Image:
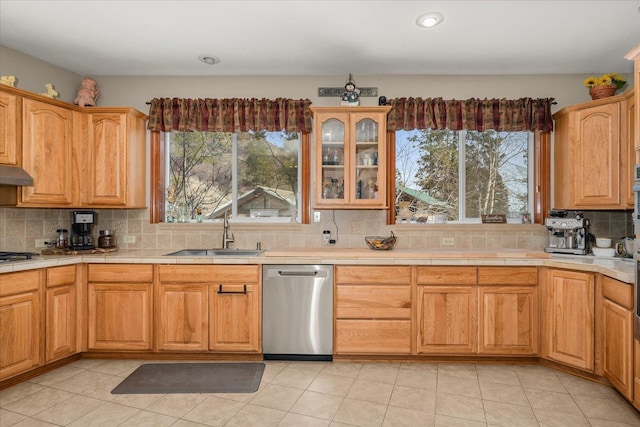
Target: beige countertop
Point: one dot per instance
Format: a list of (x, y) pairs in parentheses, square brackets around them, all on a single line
[(617, 268)]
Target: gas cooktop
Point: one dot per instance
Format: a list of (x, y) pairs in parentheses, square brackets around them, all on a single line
[(15, 256)]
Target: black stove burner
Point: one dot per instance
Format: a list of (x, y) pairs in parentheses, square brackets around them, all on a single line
[(15, 256)]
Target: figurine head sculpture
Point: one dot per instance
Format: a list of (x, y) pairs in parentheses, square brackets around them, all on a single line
[(87, 94)]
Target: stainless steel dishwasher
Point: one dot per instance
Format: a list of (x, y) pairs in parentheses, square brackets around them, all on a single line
[(297, 312)]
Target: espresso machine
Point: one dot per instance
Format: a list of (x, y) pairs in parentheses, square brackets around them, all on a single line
[(567, 235), (81, 225)]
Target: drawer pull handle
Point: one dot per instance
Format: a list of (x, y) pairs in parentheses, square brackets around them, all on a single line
[(244, 291)]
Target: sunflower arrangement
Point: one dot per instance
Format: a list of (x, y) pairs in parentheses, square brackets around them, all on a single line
[(606, 80)]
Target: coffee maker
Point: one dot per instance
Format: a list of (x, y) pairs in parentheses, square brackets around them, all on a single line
[(81, 224), (567, 235)]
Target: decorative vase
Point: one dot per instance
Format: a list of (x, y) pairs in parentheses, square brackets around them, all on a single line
[(603, 91)]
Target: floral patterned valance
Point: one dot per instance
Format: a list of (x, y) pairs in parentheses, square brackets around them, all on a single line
[(524, 114), (229, 115)]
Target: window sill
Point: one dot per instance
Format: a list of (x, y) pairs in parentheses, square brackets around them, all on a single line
[(469, 227)]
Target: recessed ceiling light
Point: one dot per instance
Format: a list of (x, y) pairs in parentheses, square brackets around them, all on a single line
[(430, 19), (209, 59)]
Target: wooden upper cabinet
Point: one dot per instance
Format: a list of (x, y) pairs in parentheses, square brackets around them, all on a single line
[(78, 157), (114, 158), (47, 139), (350, 157), (591, 154), (9, 129), (630, 123), (634, 55)]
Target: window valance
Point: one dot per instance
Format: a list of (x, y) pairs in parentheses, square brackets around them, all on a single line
[(229, 115), (524, 114)]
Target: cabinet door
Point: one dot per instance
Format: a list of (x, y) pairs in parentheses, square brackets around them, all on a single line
[(115, 149), (106, 160), (368, 157), (19, 333), (183, 317), (596, 152), (618, 340), (447, 319), (629, 155), (119, 316), (9, 129), (333, 183), (351, 157), (235, 317), (508, 320), (569, 307), (61, 322), (46, 154)]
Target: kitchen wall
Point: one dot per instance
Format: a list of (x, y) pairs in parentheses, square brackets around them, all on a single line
[(20, 227)]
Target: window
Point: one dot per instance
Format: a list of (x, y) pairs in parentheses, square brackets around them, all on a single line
[(457, 176), (253, 175)]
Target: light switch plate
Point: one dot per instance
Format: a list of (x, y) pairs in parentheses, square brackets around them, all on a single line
[(316, 217)]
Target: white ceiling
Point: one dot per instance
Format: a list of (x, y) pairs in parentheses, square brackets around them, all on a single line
[(304, 37)]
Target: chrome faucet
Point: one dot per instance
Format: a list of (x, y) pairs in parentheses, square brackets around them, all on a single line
[(225, 232)]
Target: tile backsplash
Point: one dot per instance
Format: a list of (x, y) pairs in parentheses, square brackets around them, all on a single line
[(20, 227)]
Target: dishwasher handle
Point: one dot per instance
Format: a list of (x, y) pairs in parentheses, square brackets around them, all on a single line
[(297, 273)]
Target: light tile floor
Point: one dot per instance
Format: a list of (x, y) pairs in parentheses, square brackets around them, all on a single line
[(297, 394)]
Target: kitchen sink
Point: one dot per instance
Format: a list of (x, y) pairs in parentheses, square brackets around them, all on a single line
[(216, 252)]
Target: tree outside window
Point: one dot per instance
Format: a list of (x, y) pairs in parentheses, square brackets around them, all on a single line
[(444, 175), (249, 174)]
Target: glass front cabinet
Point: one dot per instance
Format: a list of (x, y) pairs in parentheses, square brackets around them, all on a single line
[(350, 157)]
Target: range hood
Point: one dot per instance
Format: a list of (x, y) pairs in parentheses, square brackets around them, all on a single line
[(11, 175)]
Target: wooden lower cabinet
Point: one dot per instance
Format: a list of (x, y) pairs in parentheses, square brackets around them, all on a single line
[(183, 317), (203, 308), (61, 313), (447, 319), (447, 310), (568, 314), (119, 300), (508, 321), (235, 322), (20, 319), (618, 346), (373, 310), (617, 334)]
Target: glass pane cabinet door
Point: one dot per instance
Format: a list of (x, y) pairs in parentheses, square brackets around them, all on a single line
[(333, 159), (366, 159)]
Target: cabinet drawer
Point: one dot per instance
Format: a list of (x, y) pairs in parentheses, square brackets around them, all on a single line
[(451, 275), (214, 274), (373, 302), (618, 292), (57, 276), (15, 283), (120, 273), (373, 274), (373, 336), (507, 275)]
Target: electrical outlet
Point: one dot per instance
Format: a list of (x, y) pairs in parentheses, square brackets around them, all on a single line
[(41, 243), (129, 239), (316, 217), (447, 241)]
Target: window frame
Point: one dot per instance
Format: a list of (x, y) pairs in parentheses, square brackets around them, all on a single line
[(541, 179), (157, 194)]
